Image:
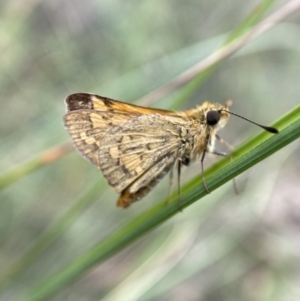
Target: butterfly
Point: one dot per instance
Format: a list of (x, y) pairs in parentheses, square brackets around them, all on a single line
[(134, 146)]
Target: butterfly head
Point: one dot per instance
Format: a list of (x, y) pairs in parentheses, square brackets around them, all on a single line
[(216, 115)]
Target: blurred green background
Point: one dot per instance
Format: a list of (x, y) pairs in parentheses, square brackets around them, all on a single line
[(225, 247)]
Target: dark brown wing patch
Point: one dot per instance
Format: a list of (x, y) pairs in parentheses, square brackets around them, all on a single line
[(81, 101)]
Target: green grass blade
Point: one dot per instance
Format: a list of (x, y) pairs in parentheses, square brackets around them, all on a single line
[(250, 153)]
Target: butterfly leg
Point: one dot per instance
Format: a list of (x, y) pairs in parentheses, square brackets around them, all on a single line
[(202, 171), (170, 186), (178, 184), (179, 163), (222, 154), (229, 146), (215, 152)]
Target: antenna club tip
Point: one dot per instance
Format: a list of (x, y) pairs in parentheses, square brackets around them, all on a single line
[(271, 130)]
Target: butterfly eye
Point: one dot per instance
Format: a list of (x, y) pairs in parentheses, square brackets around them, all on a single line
[(212, 117)]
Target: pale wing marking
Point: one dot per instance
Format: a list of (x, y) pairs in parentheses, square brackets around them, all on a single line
[(87, 128)]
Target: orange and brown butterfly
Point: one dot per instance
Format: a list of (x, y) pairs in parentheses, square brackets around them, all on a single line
[(134, 146)]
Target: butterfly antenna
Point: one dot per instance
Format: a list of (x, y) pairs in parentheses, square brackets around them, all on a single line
[(267, 128)]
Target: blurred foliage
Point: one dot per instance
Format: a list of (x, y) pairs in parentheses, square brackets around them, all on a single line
[(225, 247)]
